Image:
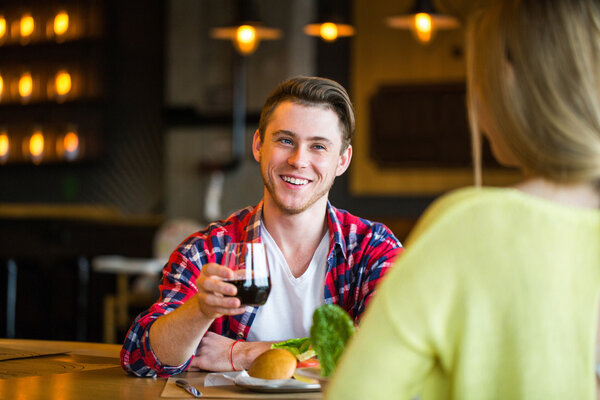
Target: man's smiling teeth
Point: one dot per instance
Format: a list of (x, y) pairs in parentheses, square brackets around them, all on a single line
[(295, 181)]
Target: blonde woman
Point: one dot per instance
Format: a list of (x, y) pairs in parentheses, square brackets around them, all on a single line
[(496, 296)]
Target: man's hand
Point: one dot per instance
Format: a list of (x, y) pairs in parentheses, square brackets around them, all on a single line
[(175, 336), (214, 295), (213, 354)]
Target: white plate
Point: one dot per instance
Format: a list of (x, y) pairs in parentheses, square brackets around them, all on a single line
[(313, 373), (274, 386)]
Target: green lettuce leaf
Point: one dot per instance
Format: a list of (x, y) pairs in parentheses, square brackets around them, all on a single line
[(332, 328), (295, 346)]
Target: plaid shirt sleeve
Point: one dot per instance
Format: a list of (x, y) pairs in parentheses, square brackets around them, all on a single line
[(177, 286), (364, 252)]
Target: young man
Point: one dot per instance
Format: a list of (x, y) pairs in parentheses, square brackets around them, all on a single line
[(317, 254)]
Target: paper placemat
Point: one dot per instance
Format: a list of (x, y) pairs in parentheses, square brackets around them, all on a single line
[(227, 391)]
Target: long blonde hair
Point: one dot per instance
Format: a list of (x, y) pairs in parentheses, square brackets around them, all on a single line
[(534, 65)]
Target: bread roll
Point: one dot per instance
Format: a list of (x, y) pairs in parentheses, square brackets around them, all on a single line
[(273, 364)]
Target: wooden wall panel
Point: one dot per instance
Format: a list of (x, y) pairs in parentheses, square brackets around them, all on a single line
[(383, 56)]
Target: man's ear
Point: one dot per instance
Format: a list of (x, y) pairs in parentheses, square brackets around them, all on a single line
[(256, 145), (344, 161)]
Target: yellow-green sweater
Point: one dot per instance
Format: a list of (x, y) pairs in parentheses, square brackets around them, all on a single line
[(495, 297)]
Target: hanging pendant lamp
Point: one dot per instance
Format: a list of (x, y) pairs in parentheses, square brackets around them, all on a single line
[(424, 21), (247, 33), (331, 24)]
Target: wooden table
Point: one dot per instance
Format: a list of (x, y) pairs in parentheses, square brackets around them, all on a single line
[(86, 371)]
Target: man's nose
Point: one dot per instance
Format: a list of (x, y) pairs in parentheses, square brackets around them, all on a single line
[(298, 158)]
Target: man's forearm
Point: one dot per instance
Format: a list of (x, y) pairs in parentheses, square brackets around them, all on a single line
[(174, 337)]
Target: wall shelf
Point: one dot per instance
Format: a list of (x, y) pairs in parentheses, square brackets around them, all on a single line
[(52, 100)]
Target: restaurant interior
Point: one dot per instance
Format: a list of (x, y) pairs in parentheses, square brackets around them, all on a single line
[(126, 125)]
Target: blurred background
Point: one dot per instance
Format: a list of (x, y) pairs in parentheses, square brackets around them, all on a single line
[(126, 125)]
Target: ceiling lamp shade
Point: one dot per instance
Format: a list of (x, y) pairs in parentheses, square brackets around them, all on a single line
[(247, 36), (331, 22), (329, 31), (423, 21), (248, 32)]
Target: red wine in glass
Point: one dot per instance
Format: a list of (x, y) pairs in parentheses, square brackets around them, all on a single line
[(252, 292), (248, 261)]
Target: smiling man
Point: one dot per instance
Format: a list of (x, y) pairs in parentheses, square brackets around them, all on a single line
[(317, 254)]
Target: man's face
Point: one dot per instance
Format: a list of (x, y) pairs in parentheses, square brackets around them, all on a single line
[(300, 155)]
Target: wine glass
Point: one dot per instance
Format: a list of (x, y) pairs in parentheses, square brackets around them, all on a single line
[(248, 261)]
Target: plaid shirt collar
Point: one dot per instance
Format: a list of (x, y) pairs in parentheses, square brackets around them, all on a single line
[(336, 236)]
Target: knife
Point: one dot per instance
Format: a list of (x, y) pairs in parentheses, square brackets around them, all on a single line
[(182, 383)]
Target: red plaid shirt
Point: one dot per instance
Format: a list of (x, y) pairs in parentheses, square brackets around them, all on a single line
[(360, 253)]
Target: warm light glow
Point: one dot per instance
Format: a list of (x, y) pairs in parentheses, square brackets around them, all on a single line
[(36, 144), (25, 85), (61, 23), (2, 27), (423, 27), (1, 86), (246, 39), (329, 31), (69, 145), (71, 142), (246, 34), (4, 145), (27, 25), (63, 83)]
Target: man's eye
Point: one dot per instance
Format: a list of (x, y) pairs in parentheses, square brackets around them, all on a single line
[(285, 141), (319, 147)]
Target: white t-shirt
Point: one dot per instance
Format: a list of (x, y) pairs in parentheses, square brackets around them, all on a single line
[(288, 311)]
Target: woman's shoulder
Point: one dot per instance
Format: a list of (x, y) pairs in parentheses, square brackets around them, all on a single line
[(462, 205), (473, 195)]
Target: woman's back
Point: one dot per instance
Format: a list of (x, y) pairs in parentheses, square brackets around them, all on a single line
[(495, 297)]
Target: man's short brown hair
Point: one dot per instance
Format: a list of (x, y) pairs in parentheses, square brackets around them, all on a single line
[(312, 91)]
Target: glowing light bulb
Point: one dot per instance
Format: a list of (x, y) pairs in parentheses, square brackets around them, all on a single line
[(69, 146), (1, 86), (423, 27), (25, 85), (61, 23), (71, 142), (2, 27), (62, 82), (27, 25), (329, 31), (4, 146), (246, 34), (245, 39), (36, 145)]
